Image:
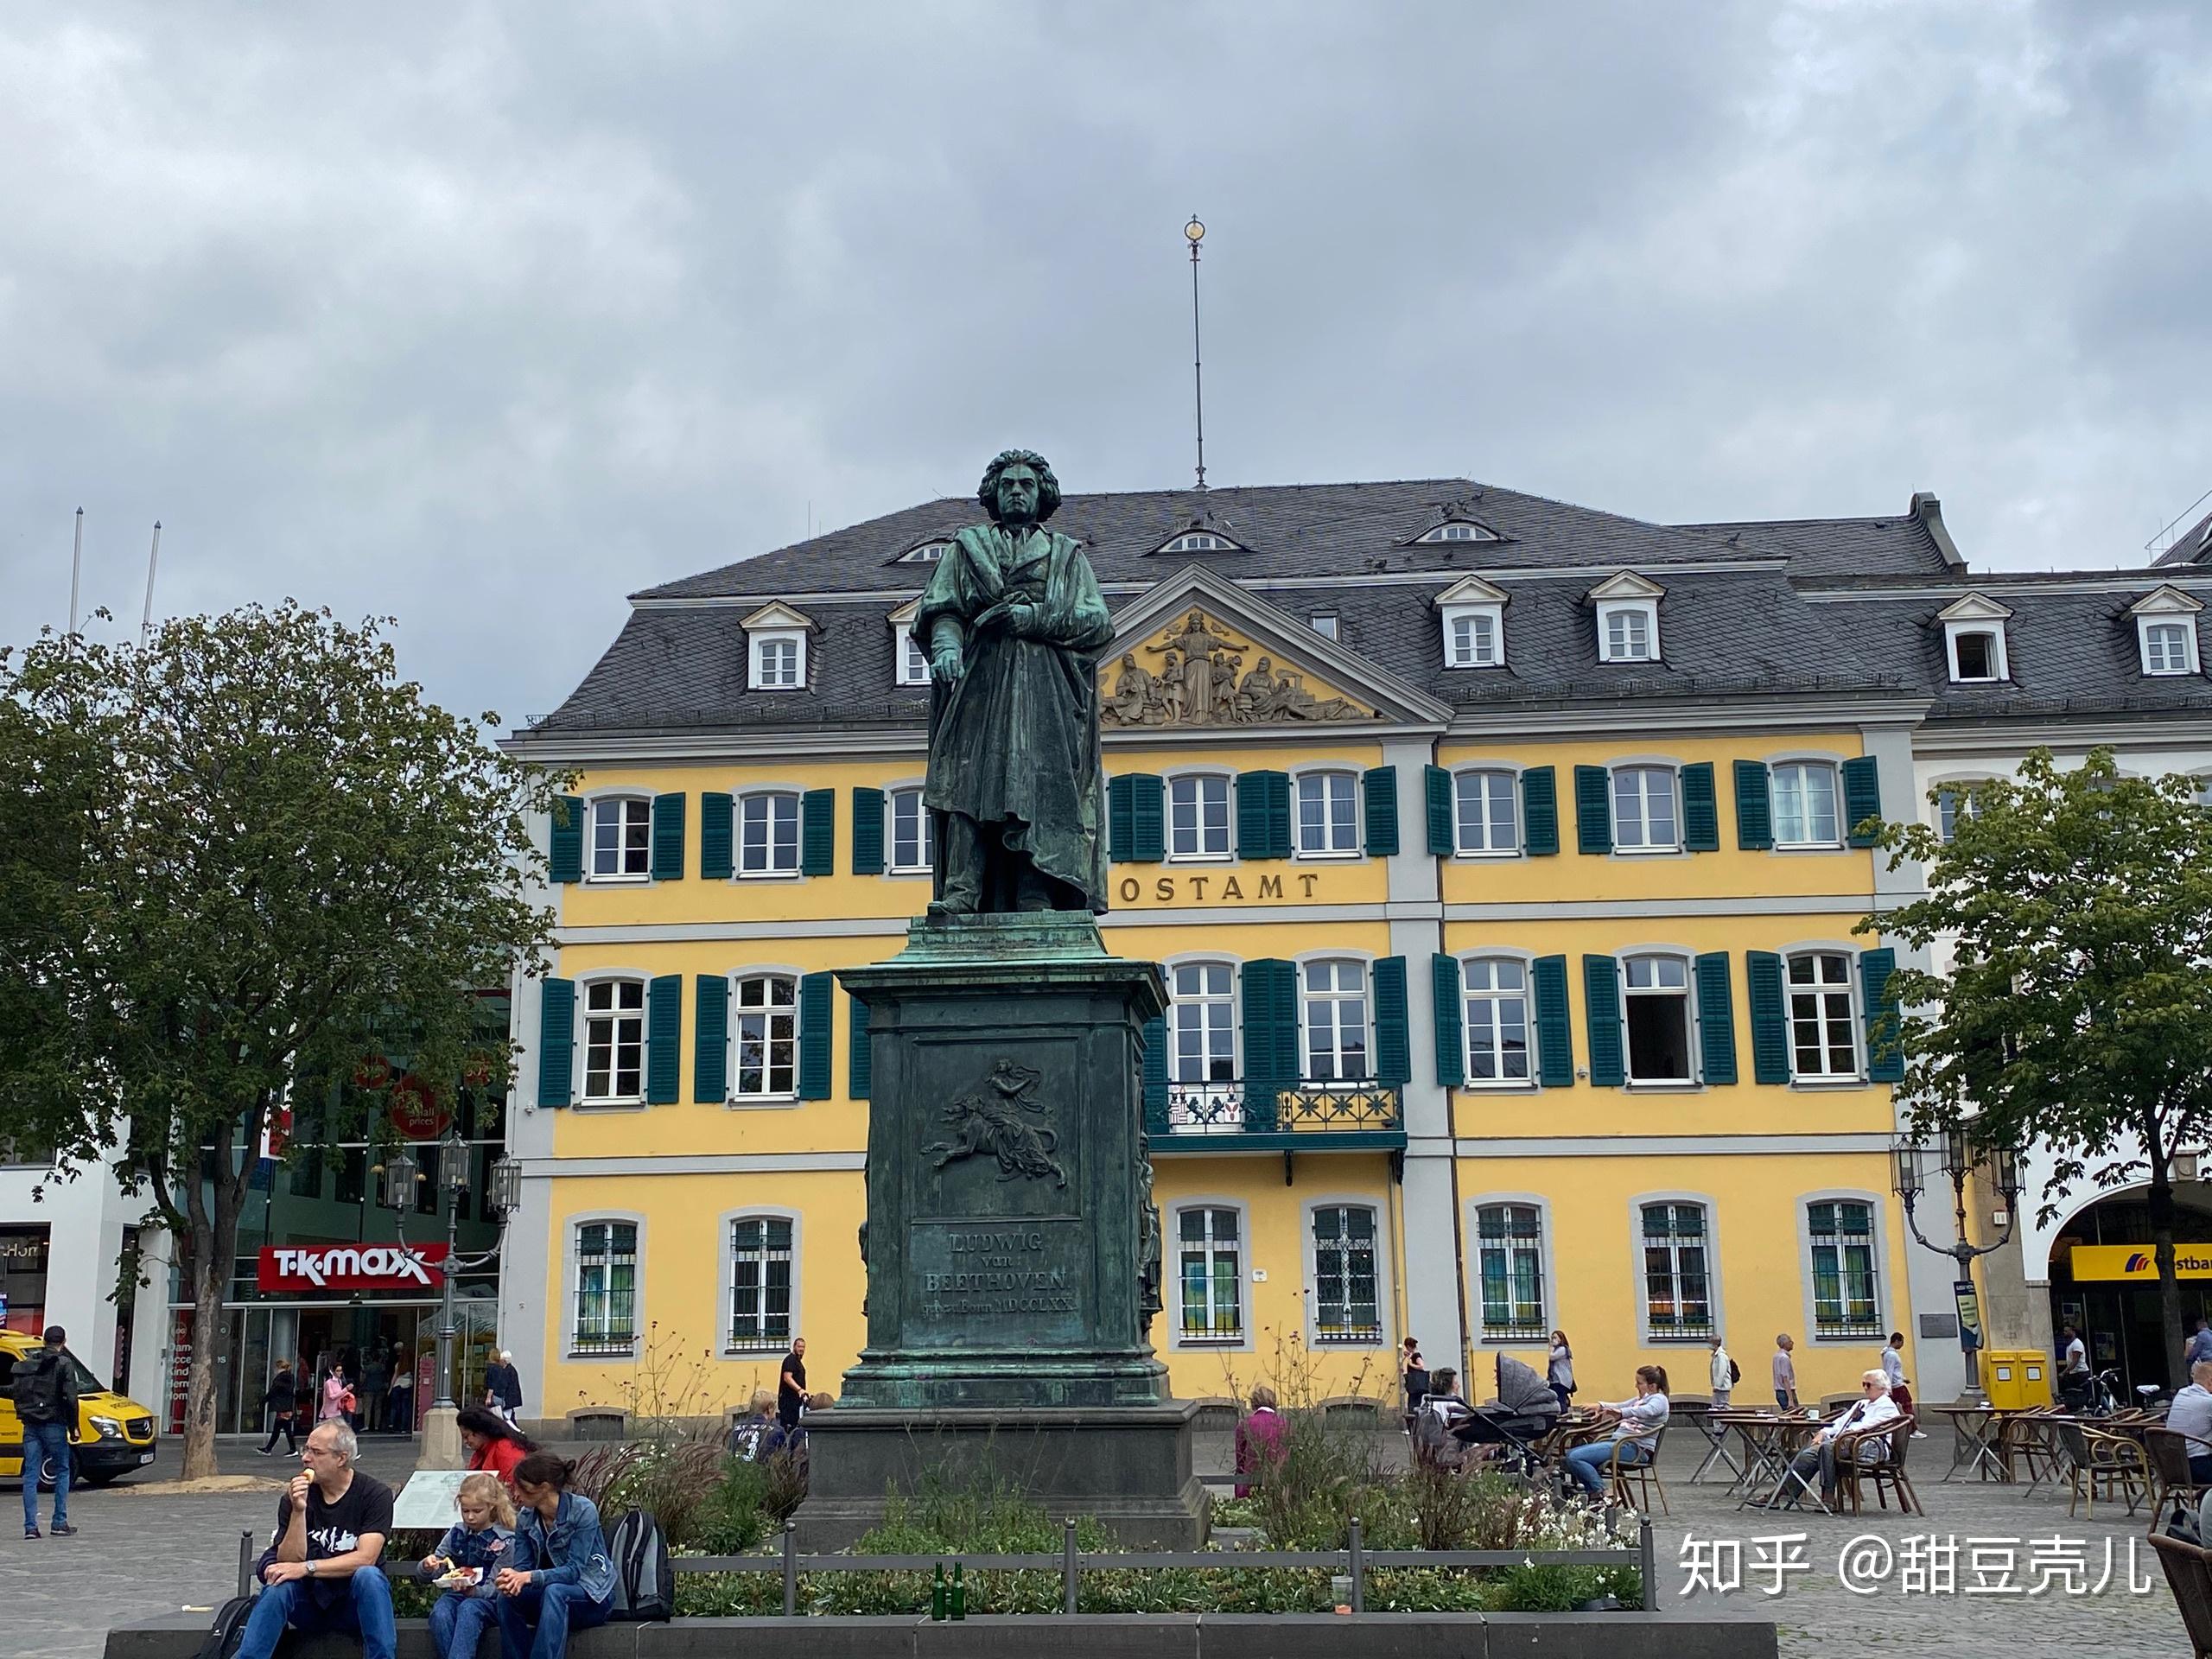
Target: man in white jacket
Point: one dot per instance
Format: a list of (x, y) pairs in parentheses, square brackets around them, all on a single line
[(1874, 1409), (1723, 1378)]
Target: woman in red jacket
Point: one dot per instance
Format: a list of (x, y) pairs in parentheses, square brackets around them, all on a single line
[(493, 1442)]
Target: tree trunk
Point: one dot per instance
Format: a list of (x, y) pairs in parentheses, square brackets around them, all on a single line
[(2162, 1235), (214, 1249)]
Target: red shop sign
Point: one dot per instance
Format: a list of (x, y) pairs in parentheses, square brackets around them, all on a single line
[(415, 1111), (349, 1267)]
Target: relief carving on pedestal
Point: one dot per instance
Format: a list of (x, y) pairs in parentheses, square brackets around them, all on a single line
[(1194, 674), (995, 1120)]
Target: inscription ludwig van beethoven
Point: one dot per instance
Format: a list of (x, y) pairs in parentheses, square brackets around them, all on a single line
[(994, 1119)]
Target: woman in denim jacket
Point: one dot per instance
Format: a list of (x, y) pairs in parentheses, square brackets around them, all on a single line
[(562, 1578)]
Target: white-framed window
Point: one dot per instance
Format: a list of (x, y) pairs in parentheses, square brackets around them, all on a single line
[(615, 1040), (1485, 815), (778, 660), (1627, 631), (914, 662), (1456, 531), (1677, 1272), (2204, 791), (767, 832), (764, 1037), (1474, 636), (2169, 647), (1977, 654), (1199, 541), (1823, 1028), (606, 1279), (621, 839), (762, 1268), (1953, 802), (1645, 819), (1655, 1013), (1495, 989), (1347, 1308), (1210, 1269), (927, 553), (1509, 1271), (1323, 623), (913, 833), (1336, 1021), (1328, 814), (1839, 1233), (1198, 816), (1807, 804), (1202, 1024)]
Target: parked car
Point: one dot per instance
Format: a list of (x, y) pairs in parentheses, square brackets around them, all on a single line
[(115, 1433)]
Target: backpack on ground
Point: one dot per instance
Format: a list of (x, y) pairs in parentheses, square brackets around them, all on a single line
[(644, 1583), (228, 1630)]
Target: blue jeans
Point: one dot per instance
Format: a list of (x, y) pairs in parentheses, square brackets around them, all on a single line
[(555, 1609), (458, 1623), (1585, 1462), (42, 1440), (365, 1614)]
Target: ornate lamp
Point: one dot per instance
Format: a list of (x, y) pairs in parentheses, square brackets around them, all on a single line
[(505, 1193), (1960, 1158), (399, 1173)]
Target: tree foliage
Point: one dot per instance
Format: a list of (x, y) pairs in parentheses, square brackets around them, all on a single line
[(234, 859)]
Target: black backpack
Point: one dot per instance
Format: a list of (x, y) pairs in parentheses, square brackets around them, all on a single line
[(228, 1630), (37, 1389), (644, 1583), (1735, 1373)]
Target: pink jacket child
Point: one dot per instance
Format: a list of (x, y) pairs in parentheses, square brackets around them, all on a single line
[(1259, 1439)]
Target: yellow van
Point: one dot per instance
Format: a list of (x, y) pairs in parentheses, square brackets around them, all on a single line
[(114, 1434)]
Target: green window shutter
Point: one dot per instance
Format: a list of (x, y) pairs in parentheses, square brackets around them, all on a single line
[(1754, 807), (1270, 999), (1862, 796), (716, 830), (1263, 815), (1700, 810), (1121, 818), (867, 832), (663, 1039), (1155, 1073), (1593, 810), (1451, 1020), (1885, 1057), (1380, 786), (1540, 811), (1394, 1057), (1436, 789), (860, 1053), (1601, 1004), (814, 1034), (710, 1039), (1147, 818), (1716, 1018), (817, 832), (556, 1042), (1770, 1017), (1554, 1026), (565, 852), (668, 837)]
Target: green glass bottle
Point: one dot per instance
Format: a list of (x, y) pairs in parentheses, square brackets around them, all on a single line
[(959, 1594), (937, 1594)]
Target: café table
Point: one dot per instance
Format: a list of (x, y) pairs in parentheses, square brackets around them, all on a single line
[(1711, 1423), (1974, 1430), (1770, 1442)]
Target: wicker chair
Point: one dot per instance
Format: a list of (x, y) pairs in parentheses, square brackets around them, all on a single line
[(2189, 1572), (2107, 1465), (2168, 1450), (2028, 1444), (1885, 1476), (1632, 1484)]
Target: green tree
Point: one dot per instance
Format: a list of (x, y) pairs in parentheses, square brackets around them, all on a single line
[(2075, 909), (233, 854)]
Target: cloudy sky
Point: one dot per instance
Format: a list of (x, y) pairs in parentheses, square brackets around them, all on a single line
[(484, 316)]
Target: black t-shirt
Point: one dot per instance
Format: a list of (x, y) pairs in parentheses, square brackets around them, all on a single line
[(335, 1528), (789, 1399)]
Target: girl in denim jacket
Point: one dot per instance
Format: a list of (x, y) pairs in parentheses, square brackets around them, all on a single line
[(482, 1539), (562, 1578)]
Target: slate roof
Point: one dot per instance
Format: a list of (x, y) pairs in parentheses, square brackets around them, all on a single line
[(1899, 546)]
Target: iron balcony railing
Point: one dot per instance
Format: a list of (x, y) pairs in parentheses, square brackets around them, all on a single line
[(1199, 1110)]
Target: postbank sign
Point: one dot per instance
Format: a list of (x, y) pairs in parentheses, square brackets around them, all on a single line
[(2106, 1262)]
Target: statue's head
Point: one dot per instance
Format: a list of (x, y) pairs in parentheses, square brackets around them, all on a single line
[(1019, 488)]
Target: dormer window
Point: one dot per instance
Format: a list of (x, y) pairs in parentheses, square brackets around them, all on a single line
[(1200, 541), (776, 649), (1973, 656), (1473, 614), (910, 664), (2166, 631), (927, 553), (1457, 530), (1324, 623), (1973, 640), (1628, 618)]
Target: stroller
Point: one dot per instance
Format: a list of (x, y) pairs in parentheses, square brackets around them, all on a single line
[(1524, 1412)]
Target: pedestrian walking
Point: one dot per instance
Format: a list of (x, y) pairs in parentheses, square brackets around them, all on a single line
[(376, 1382), (282, 1401), (563, 1579), (45, 1393), (790, 1385), (1785, 1373), (399, 1406), (1259, 1440), (503, 1386), (1560, 1372), (1412, 1371), (1722, 1374), (323, 1569), (1893, 1369), (338, 1401), (2200, 1345)]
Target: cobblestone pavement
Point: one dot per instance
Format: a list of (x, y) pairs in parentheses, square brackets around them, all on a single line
[(156, 1554)]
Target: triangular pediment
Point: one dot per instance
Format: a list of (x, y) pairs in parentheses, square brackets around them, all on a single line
[(905, 614), (1199, 652), (775, 614), (1471, 590), (1626, 584), (1974, 608), (2166, 601)]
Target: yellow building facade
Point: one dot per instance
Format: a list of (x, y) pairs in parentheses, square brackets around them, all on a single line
[(1499, 859)]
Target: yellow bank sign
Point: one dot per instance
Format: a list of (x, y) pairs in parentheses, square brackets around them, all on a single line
[(2103, 1261)]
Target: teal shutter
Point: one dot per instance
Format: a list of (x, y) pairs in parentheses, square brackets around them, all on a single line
[(1451, 1020), (663, 1039), (1601, 1003), (813, 1033), (1155, 1073), (1380, 786), (860, 1053), (1593, 810), (1264, 814), (565, 851), (868, 831), (1862, 797), (817, 832), (710, 1039), (1716, 1018), (668, 837), (1436, 789), (716, 829), (1270, 999), (1884, 1052), (1540, 811), (1147, 818), (1754, 807), (1770, 1017), (1121, 811), (556, 1042), (1700, 810), (1394, 1057), (1554, 1026)]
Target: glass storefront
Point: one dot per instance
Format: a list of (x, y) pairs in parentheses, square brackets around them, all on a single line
[(22, 1276)]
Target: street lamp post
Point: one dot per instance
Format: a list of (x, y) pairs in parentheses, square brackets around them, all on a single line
[(440, 1437), (1957, 1158)]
